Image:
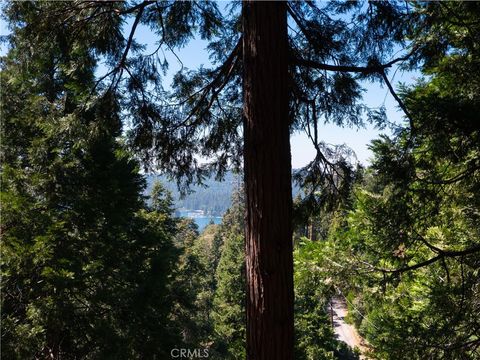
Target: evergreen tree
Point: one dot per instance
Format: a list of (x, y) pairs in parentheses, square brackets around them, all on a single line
[(313, 292), (186, 281), (228, 312), (207, 250), (194, 282), (84, 263), (314, 336), (414, 228)]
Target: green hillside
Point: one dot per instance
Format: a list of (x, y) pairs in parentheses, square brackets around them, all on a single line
[(213, 198)]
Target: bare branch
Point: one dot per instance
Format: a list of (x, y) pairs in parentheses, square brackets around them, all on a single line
[(140, 6)]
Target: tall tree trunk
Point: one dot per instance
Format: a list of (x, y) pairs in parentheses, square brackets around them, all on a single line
[(267, 162)]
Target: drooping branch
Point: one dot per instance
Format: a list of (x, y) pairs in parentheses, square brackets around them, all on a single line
[(365, 70), (297, 20), (379, 69), (397, 99), (118, 69), (471, 343), (348, 68), (224, 73), (430, 246), (463, 175), (132, 34), (441, 256), (341, 68)]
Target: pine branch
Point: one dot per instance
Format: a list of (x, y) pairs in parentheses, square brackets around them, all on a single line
[(397, 99), (349, 68), (444, 254), (118, 69), (224, 73)]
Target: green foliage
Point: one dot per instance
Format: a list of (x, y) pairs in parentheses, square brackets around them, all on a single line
[(186, 277), (76, 242), (208, 122), (90, 271), (194, 283), (207, 249), (402, 220), (84, 264), (221, 249), (228, 311), (414, 228), (313, 290)]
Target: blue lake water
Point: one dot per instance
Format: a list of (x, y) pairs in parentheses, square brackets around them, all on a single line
[(204, 221), (201, 220)]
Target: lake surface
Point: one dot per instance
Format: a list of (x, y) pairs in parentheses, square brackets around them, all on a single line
[(201, 220)]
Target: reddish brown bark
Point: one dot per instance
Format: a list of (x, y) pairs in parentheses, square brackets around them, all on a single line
[(267, 162)]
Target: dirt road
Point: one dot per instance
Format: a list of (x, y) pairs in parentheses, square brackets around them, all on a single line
[(345, 332)]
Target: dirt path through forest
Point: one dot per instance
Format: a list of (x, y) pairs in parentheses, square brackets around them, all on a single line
[(345, 332)]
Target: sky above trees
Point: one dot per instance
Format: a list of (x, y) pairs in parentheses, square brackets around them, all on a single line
[(195, 54)]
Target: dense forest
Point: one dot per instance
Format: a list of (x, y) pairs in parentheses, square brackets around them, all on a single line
[(94, 262)]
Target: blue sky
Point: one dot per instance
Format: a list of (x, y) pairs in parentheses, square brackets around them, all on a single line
[(195, 54)]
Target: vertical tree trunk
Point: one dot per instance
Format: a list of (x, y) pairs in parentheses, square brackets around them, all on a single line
[(311, 230), (267, 162)]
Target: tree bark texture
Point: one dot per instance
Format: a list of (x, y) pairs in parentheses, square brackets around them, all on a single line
[(267, 166)]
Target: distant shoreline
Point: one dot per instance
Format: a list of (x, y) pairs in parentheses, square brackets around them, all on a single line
[(195, 213), (200, 219)]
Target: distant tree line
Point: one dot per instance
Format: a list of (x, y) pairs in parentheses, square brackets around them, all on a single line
[(213, 197)]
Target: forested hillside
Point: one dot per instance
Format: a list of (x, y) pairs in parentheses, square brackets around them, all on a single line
[(95, 264), (213, 197)]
